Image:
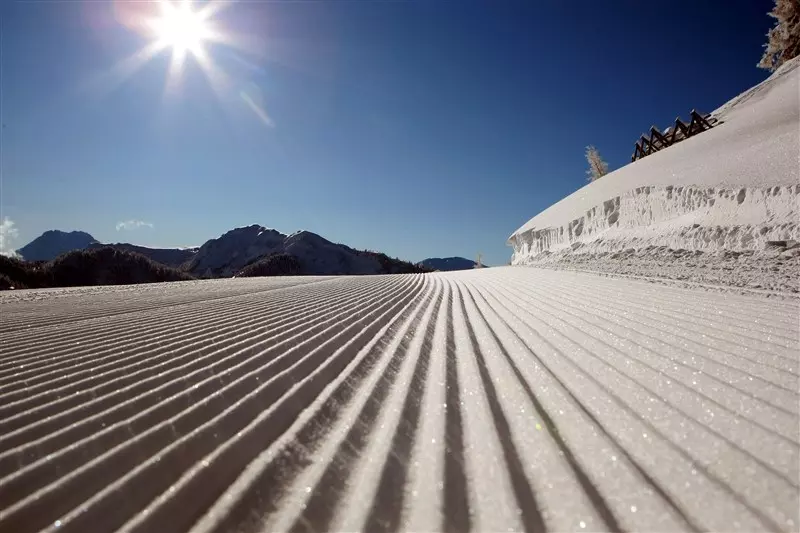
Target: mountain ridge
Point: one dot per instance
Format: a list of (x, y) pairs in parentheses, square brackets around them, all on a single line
[(173, 257), (449, 264), (252, 250), (53, 243), (233, 251)]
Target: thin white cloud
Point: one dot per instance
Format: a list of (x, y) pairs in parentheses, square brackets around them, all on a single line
[(130, 225), (8, 233)]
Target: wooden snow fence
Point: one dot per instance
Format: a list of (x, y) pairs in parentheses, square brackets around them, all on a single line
[(658, 141)]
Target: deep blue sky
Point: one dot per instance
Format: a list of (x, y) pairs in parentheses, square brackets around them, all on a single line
[(418, 128)]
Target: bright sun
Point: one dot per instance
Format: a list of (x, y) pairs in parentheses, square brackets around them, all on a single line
[(181, 29), (175, 26)]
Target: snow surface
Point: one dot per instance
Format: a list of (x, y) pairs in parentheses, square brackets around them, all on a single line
[(501, 399), (734, 188)]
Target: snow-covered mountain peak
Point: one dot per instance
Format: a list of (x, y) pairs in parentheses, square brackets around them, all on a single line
[(231, 252), (304, 236)]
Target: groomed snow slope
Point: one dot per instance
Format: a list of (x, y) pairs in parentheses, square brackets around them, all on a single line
[(488, 400), (734, 187)]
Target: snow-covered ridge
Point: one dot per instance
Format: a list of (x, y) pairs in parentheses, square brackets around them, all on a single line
[(734, 187), (675, 217)]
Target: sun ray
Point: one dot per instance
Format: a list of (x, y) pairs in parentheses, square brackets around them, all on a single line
[(124, 69), (216, 77), (175, 70), (259, 111), (211, 8)]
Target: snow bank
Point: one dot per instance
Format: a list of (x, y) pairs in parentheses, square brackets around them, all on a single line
[(734, 187)]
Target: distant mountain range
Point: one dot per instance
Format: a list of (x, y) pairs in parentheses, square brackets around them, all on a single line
[(54, 243), (248, 251), (447, 264)]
